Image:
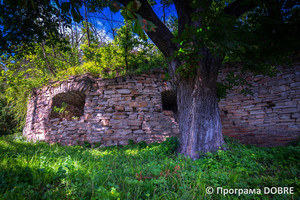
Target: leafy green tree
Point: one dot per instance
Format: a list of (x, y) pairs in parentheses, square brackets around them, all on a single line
[(102, 61), (125, 54), (126, 40), (137, 54), (91, 38), (28, 21)]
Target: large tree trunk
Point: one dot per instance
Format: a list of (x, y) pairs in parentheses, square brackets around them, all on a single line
[(199, 119)]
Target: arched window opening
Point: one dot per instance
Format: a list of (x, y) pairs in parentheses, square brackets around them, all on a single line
[(69, 105)]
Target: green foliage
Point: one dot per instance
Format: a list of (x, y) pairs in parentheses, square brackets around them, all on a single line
[(87, 144), (62, 111), (97, 144), (139, 24), (114, 6), (72, 7), (18, 88), (170, 145), (259, 39), (7, 121), (136, 54), (101, 61), (126, 54), (233, 79), (27, 22), (75, 118), (43, 171), (29, 69), (131, 142)]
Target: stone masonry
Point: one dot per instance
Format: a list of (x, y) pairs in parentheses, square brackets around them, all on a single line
[(106, 111), (268, 117), (112, 111)]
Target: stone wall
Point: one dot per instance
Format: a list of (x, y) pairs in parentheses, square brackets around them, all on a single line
[(106, 111), (271, 116), (111, 111)]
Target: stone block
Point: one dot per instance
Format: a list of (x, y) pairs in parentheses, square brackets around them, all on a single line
[(105, 122), (132, 116), (119, 108), (143, 109), (296, 84), (122, 131), (168, 112), (133, 104), (138, 132), (123, 142), (109, 131), (134, 123), (124, 91), (119, 117)]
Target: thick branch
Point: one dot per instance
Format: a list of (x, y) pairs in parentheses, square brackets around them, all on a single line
[(239, 7), (162, 37), (184, 10)]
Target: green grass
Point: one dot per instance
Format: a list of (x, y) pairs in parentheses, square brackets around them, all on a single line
[(43, 171)]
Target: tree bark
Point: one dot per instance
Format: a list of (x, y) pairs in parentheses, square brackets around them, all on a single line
[(199, 118)]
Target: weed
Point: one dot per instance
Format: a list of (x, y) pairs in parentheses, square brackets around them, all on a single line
[(86, 144)]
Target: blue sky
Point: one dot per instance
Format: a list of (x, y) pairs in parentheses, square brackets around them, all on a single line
[(117, 19)]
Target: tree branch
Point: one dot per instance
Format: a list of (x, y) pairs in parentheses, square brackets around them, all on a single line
[(184, 10), (239, 7), (46, 60), (162, 37)]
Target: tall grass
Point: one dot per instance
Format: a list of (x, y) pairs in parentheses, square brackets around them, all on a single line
[(42, 171)]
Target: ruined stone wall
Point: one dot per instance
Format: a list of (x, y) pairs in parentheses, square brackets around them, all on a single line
[(113, 111), (271, 116)]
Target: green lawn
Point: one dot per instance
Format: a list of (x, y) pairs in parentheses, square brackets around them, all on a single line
[(43, 171)]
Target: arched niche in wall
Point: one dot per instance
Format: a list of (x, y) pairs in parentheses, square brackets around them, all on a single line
[(68, 105)]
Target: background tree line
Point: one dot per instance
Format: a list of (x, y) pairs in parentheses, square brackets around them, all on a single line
[(70, 48)]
